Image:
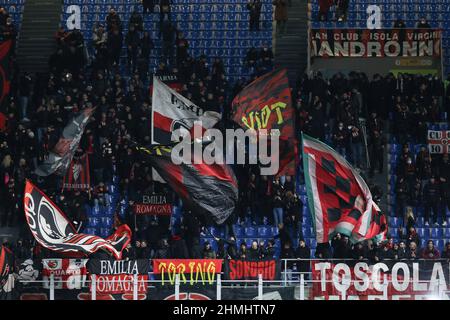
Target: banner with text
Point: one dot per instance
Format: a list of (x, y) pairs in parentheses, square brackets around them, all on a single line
[(394, 280), (328, 43), (249, 270), (438, 141), (116, 276), (191, 271), (67, 273), (154, 204)]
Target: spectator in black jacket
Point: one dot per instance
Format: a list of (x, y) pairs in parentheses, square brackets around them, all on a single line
[(196, 250), (253, 253), (402, 252), (402, 194), (341, 247), (385, 253), (359, 251), (254, 6), (303, 252), (432, 200), (163, 251)]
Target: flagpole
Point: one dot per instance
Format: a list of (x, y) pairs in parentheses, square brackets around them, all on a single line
[(364, 130)]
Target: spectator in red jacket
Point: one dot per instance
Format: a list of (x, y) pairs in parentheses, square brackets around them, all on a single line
[(324, 8), (446, 251), (430, 252)]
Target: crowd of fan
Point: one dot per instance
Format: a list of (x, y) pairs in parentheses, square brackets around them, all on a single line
[(90, 75)]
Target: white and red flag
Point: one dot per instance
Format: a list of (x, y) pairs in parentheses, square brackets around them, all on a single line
[(339, 199)]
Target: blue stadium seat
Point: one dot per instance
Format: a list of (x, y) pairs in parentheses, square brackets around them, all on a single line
[(250, 232), (436, 233), (91, 231), (93, 222), (104, 232), (273, 231), (421, 232), (106, 222), (264, 232), (238, 231)]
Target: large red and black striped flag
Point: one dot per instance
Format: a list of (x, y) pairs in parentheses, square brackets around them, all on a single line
[(208, 189), (266, 103), (339, 200), (51, 228)]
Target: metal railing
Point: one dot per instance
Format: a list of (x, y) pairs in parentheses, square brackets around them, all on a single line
[(441, 291)]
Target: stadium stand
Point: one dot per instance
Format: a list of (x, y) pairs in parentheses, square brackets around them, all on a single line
[(214, 28)]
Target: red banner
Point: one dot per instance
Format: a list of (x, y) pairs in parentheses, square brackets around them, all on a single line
[(250, 270), (120, 283), (67, 273), (153, 205), (153, 209), (192, 270)]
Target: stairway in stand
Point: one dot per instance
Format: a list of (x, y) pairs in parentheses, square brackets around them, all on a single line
[(291, 47), (40, 21)]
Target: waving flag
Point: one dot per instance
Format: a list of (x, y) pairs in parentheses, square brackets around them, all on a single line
[(7, 280), (210, 189), (54, 231), (266, 103), (339, 199), (60, 157), (5, 49), (171, 111)]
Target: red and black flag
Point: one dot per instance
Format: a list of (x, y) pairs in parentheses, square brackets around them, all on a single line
[(266, 103), (51, 228), (339, 199), (60, 157), (7, 279), (209, 189), (5, 49), (78, 176)]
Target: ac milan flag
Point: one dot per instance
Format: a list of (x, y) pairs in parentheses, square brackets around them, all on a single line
[(209, 189), (78, 176), (51, 228), (171, 111), (7, 280), (266, 103), (339, 199), (5, 49), (59, 159)]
